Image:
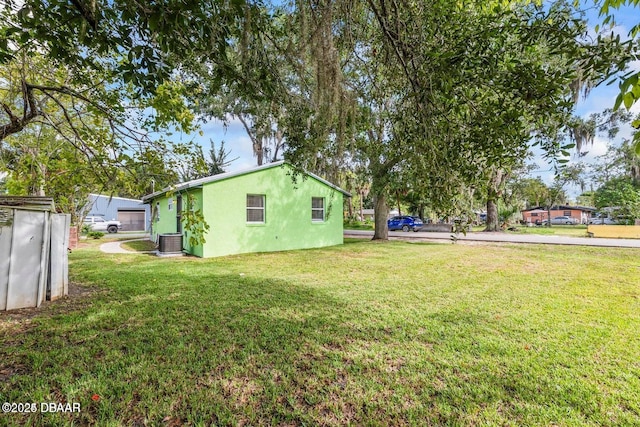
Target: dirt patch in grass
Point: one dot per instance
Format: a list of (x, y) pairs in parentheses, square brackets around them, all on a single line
[(16, 325), (10, 371), (18, 320), (83, 244)]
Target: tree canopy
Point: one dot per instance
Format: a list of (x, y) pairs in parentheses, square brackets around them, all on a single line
[(443, 95), (630, 84), (111, 77)]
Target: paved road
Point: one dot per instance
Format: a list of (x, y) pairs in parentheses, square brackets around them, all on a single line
[(504, 237)]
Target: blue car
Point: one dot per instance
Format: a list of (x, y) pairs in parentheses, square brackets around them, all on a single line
[(405, 223)]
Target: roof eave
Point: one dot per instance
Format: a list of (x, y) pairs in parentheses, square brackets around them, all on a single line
[(198, 183)]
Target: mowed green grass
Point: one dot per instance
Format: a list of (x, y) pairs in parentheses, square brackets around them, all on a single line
[(365, 333), (554, 230), (139, 245)]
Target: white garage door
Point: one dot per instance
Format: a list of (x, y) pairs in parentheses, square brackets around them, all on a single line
[(131, 220)]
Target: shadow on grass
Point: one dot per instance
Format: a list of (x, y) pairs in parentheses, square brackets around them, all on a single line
[(213, 350), (182, 345)]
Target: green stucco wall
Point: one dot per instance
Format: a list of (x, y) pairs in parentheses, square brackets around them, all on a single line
[(287, 225), (162, 221), (166, 221), (192, 200)]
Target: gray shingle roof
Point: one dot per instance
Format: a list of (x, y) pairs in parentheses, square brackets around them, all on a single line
[(219, 177)]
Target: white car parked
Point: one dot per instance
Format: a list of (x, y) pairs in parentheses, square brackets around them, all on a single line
[(98, 223), (561, 220), (603, 221)]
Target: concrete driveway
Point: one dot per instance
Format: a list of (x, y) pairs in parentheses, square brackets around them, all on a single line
[(503, 237)]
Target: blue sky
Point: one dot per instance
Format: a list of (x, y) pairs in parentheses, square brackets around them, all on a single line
[(600, 98)]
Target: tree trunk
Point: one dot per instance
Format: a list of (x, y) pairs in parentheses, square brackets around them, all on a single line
[(493, 194), (256, 141), (381, 231), (278, 144), (259, 153), (492, 216)]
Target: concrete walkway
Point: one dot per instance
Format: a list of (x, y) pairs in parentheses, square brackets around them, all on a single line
[(503, 237), (115, 248)]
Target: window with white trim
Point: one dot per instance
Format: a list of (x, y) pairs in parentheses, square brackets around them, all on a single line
[(170, 204), (255, 208), (317, 209)]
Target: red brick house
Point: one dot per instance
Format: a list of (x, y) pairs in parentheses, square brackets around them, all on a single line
[(538, 214)]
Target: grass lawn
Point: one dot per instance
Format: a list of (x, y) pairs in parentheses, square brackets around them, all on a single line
[(139, 245), (554, 230), (557, 230), (358, 225), (366, 333)]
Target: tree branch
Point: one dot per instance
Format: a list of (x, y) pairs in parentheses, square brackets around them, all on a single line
[(87, 14), (30, 112), (68, 91)]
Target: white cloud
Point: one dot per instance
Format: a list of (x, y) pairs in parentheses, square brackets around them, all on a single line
[(598, 148)]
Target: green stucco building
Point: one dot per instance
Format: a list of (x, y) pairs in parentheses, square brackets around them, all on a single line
[(257, 210)]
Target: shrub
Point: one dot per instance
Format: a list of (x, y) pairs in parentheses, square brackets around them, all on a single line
[(95, 234)]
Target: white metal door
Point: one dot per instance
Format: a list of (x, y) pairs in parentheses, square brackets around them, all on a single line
[(27, 278)]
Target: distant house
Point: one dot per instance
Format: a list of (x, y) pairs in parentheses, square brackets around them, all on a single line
[(539, 213), (132, 213), (255, 210), (369, 214)]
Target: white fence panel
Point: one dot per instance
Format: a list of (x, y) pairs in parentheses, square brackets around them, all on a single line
[(33, 254), (27, 271), (6, 231), (59, 266)]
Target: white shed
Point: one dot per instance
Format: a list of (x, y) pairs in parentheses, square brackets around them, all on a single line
[(33, 252)]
